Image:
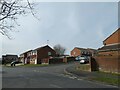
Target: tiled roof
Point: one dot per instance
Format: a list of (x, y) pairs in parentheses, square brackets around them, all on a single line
[(80, 48), (42, 47), (26, 52), (85, 49), (110, 47)]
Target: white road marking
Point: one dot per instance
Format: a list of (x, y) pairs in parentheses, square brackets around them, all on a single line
[(79, 79), (55, 86)]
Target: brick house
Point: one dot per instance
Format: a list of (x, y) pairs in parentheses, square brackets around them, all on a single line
[(108, 55), (38, 55), (24, 57), (9, 58), (111, 44), (44, 54), (82, 51)]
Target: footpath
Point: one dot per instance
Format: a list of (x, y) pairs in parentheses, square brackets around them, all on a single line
[(86, 75)]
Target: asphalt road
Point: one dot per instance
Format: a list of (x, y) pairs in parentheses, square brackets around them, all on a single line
[(44, 77)]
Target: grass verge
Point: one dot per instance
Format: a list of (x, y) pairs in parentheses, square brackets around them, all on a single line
[(29, 65), (105, 77), (111, 81), (83, 67)]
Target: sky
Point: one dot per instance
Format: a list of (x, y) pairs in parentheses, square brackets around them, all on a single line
[(70, 24)]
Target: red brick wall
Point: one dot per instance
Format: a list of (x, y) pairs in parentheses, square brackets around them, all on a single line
[(75, 52), (114, 38), (110, 53), (108, 63), (43, 53)]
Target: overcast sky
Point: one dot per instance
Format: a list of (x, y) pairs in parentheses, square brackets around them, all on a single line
[(71, 24)]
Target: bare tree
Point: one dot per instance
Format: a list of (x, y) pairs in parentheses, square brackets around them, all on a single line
[(9, 12), (60, 50)]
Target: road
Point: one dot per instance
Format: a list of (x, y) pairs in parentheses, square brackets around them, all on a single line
[(44, 77)]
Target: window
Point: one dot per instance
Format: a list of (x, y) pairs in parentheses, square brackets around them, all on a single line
[(34, 52), (49, 53)]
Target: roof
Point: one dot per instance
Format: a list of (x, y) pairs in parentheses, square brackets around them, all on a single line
[(110, 47), (26, 52), (36, 49), (80, 48), (85, 49), (42, 47), (9, 55), (92, 49), (112, 34), (39, 47)]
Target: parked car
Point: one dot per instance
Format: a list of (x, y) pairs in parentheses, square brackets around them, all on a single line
[(15, 62), (78, 58), (84, 60)]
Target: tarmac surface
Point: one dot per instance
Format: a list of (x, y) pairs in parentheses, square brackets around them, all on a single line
[(53, 76)]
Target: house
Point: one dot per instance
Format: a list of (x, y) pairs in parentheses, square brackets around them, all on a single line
[(108, 55), (83, 51), (43, 54), (111, 44), (24, 57), (9, 58), (38, 55)]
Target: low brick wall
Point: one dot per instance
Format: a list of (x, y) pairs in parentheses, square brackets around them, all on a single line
[(107, 63)]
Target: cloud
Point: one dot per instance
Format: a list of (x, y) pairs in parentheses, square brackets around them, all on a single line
[(68, 24), (75, 0)]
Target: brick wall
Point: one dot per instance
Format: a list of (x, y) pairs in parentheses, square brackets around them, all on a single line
[(110, 53), (114, 38), (75, 52), (108, 63), (43, 53)]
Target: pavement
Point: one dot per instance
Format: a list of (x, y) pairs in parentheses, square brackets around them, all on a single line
[(86, 75)]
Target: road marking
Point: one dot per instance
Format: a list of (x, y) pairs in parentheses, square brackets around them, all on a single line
[(79, 79), (72, 77), (55, 86)]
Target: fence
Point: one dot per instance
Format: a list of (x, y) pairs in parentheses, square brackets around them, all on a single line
[(55, 60), (61, 60)]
